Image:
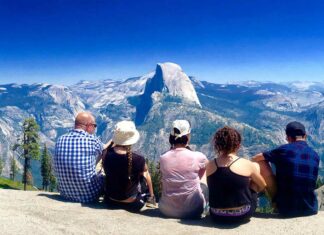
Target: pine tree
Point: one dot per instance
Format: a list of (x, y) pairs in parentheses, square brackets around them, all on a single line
[(53, 182), (319, 182), (29, 148), (13, 169), (154, 169), (1, 165), (46, 168)]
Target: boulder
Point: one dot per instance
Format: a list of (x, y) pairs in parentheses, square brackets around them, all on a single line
[(46, 213)]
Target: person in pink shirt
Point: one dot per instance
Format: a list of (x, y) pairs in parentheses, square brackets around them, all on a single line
[(181, 171)]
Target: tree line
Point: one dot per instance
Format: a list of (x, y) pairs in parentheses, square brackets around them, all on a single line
[(28, 148)]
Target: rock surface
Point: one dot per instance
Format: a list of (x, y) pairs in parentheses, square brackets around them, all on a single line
[(320, 198), (45, 213)]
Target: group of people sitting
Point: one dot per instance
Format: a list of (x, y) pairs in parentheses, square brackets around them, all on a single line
[(229, 184)]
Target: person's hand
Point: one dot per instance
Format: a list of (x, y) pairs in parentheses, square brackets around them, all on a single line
[(107, 144), (151, 202)]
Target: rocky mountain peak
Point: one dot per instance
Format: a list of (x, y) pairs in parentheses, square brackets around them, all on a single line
[(168, 79), (175, 82)]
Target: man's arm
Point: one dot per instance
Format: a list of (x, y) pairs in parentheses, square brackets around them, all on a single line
[(100, 156), (102, 153), (258, 158)]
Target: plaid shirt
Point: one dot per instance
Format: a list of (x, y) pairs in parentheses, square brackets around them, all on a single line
[(74, 164), (296, 174)]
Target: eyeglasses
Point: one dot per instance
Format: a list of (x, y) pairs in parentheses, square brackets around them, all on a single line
[(88, 124)]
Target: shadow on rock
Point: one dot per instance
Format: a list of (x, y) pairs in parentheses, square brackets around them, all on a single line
[(152, 212), (208, 222), (267, 215), (95, 205), (6, 186), (55, 197)]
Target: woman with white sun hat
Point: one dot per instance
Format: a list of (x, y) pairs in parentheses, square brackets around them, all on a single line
[(128, 182)]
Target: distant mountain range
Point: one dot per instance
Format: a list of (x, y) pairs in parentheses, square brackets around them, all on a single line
[(259, 110)]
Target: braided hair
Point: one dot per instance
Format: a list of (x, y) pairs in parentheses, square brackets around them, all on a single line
[(129, 161), (226, 140)]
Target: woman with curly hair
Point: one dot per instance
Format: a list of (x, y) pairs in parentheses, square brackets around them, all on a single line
[(233, 181), (128, 183)]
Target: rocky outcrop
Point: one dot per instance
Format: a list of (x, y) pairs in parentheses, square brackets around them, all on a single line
[(168, 79), (45, 213)]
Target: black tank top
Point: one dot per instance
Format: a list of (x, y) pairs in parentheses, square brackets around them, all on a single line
[(115, 166), (228, 189)]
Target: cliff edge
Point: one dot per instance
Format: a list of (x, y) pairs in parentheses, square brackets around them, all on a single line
[(46, 213)]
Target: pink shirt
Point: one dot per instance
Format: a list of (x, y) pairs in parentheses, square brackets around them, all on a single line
[(181, 171)]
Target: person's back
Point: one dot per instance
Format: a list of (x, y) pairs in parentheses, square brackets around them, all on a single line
[(181, 192), (118, 184), (233, 182), (74, 162), (181, 170), (296, 167), (296, 174), (128, 182), (228, 188)]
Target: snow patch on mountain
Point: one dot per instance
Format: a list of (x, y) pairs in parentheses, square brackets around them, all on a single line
[(304, 86), (265, 92), (248, 83)]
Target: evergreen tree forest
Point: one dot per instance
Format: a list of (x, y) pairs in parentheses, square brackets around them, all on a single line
[(49, 180), (13, 169), (28, 148), (1, 165)]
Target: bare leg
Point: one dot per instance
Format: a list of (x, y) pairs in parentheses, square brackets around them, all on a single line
[(269, 178)]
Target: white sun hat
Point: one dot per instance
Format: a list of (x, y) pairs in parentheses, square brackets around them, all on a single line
[(125, 133), (183, 126)]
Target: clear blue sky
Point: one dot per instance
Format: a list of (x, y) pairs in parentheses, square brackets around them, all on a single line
[(64, 41)]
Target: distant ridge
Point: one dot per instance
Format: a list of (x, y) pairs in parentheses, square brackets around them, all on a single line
[(259, 110)]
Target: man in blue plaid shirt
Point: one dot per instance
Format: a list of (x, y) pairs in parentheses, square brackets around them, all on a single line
[(296, 166), (76, 155)]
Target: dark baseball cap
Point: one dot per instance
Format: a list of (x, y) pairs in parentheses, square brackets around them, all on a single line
[(294, 129)]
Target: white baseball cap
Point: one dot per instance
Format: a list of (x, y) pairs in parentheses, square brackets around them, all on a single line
[(183, 126)]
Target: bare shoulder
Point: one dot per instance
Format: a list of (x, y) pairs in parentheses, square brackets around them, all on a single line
[(243, 167), (246, 162), (256, 167), (210, 167), (253, 166)]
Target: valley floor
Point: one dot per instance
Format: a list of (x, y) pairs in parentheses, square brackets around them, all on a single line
[(46, 213)]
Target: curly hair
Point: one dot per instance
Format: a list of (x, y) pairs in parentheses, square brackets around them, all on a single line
[(226, 140)]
